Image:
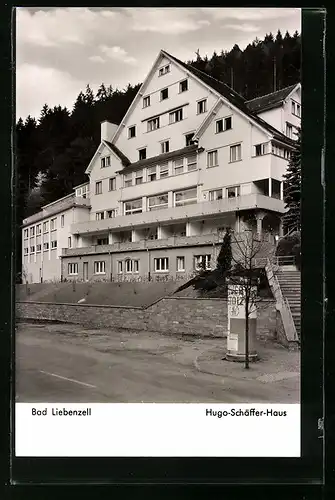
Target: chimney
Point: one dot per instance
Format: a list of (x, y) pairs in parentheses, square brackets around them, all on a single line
[(108, 130)]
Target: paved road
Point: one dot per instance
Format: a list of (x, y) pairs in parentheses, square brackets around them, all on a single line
[(69, 363)]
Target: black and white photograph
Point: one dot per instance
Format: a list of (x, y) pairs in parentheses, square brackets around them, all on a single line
[(158, 157)]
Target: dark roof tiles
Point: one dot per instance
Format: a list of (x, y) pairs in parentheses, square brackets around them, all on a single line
[(269, 101)]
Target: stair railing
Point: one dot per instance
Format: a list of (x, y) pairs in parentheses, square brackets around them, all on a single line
[(282, 304)]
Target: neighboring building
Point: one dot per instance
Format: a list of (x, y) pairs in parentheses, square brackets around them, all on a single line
[(189, 158)]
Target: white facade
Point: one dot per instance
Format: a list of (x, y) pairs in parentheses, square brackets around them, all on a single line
[(177, 188)]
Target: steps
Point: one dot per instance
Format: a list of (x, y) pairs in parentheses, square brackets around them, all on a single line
[(290, 284)]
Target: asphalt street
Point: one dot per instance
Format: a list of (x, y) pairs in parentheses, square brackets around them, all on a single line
[(69, 363)]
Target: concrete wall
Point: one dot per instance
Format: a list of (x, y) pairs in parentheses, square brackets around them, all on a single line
[(205, 317)]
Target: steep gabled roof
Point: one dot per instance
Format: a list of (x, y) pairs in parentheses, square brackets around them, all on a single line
[(163, 157), (270, 101), (233, 97), (124, 160)]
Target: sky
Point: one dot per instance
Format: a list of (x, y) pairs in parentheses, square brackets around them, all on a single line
[(61, 50)]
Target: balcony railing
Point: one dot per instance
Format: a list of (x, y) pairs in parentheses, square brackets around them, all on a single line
[(181, 214), (64, 204)]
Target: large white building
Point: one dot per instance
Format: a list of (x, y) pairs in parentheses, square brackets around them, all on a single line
[(189, 158)]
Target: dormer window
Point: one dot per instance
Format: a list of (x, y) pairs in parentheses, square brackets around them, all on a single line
[(131, 132), (164, 70), (146, 101), (105, 162)]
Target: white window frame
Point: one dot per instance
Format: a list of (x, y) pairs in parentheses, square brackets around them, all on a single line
[(128, 266), (139, 177), (69, 242), (72, 268), (38, 247), (119, 266), (213, 194), (188, 142), (128, 179), (103, 240), (224, 122), (157, 206), (146, 101), (46, 226), (26, 250), (132, 211), (164, 70), (289, 130), (53, 244), (198, 259), (32, 231), (26, 233), (176, 116), (98, 185), (152, 172), (166, 90), (136, 266), (153, 124), (161, 264), (62, 221), (45, 246), (105, 161), (213, 158), (165, 149), (164, 170), (264, 147), (237, 191), (130, 129), (100, 215), (112, 184), (237, 148), (180, 260), (139, 154), (178, 166), (202, 106), (39, 228), (181, 84), (187, 201), (113, 212), (53, 224), (190, 162), (32, 248), (100, 267)]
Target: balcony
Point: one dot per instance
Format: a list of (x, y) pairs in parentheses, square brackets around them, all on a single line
[(181, 214), (56, 207)]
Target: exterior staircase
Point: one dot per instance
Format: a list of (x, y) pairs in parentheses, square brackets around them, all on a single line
[(290, 283)]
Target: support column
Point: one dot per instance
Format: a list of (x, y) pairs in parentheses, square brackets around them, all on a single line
[(270, 187), (259, 219), (110, 238), (170, 199), (282, 190), (188, 229), (281, 229), (238, 223)]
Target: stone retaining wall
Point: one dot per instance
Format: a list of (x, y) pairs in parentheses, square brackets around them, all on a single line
[(206, 317)]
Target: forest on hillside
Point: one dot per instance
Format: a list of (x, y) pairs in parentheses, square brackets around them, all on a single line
[(53, 150)]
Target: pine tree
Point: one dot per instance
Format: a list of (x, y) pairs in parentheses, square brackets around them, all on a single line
[(225, 256), (292, 189)]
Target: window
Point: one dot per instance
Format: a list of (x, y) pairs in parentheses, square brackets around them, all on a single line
[(216, 194), (178, 166), (53, 224), (131, 132), (165, 146), (180, 264), (152, 174), (98, 187), (189, 138), (191, 163), (133, 207), (38, 247), (164, 94), (26, 233), (39, 228), (164, 70), (112, 184), (223, 124), (176, 116), (128, 179), (119, 266), (62, 221), (158, 202), (45, 227), (100, 267), (261, 149), (136, 266), (296, 109), (233, 191), (153, 124), (46, 245), (72, 268), (142, 154), (32, 231), (187, 197), (164, 170), (100, 215), (202, 262), (161, 264), (26, 250), (69, 242), (212, 159), (110, 214), (32, 249), (82, 192), (102, 241), (289, 130), (151, 233), (202, 106), (146, 101), (183, 86), (54, 244), (235, 152), (106, 162), (139, 177), (129, 266)]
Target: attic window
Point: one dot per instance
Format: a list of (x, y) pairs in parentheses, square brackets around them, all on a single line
[(164, 94), (202, 106), (223, 124), (146, 101), (105, 162), (131, 132), (164, 70), (183, 86)]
